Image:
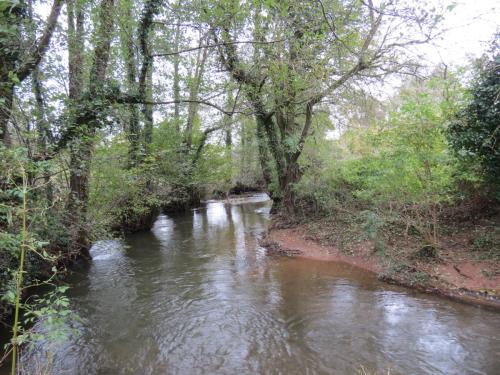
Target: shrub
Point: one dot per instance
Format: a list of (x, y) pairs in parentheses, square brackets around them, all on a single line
[(474, 133)]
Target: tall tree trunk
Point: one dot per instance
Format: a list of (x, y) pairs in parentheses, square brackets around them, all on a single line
[(7, 94), (148, 112), (260, 122), (10, 38), (13, 67), (81, 147), (194, 89), (133, 130), (227, 121), (263, 153), (77, 193), (151, 8), (176, 83), (287, 186)]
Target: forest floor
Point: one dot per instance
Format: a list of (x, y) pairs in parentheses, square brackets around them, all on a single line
[(466, 265)]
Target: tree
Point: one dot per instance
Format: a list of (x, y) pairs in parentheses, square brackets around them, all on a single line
[(86, 107), (16, 64), (307, 51), (474, 133), (151, 8), (128, 41)]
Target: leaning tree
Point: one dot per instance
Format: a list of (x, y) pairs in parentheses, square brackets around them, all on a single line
[(20, 52)]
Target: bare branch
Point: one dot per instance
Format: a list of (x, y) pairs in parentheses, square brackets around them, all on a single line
[(362, 64), (332, 27), (187, 101), (166, 54)]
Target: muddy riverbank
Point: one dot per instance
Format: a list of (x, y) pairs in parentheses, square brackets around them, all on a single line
[(462, 279)]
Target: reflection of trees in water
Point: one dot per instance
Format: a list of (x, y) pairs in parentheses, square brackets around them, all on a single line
[(218, 235)]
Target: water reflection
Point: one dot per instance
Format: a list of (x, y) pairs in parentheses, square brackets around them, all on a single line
[(198, 295)]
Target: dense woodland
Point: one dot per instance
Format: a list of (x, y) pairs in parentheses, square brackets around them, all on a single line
[(114, 110)]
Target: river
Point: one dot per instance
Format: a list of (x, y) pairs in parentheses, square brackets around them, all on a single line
[(198, 295)]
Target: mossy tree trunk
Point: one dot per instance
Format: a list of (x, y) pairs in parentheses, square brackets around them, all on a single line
[(83, 117)]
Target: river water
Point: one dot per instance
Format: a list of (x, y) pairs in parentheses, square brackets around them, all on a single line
[(198, 295)]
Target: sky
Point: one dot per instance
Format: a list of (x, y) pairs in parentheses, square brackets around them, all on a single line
[(470, 28)]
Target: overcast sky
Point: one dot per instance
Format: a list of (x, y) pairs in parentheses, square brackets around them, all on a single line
[(470, 26)]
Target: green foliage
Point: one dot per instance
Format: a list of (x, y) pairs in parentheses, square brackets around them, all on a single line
[(398, 164), (372, 226), (398, 161), (474, 132), (407, 160), (12, 163), (10, 242), (215, 168), (23, 253), (49, 319), (322, 186), (426, 252), (486, 246), (118, 195), (169, 177), (245, 157), (483, 241)]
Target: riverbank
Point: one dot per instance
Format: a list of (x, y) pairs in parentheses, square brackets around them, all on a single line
[(456, 272)]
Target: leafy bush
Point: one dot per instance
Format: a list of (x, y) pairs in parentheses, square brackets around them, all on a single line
[(399, 163), (474, 133)]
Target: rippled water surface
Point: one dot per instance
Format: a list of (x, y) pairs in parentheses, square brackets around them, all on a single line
[(197, 295)]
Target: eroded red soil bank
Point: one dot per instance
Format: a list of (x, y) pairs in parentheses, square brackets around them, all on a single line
[(463, 279)]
